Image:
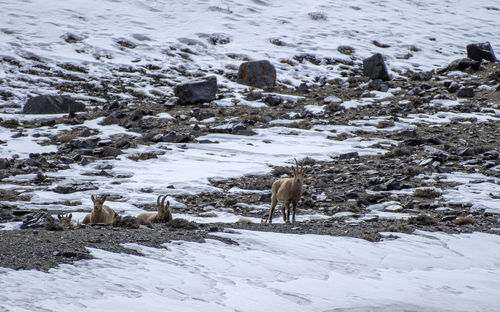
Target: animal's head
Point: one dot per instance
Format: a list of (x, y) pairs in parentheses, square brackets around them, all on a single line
[(65, 219), (98, 201), (163, 210), (299, 172)]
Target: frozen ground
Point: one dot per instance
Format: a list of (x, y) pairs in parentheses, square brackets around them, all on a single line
[(268, 271)]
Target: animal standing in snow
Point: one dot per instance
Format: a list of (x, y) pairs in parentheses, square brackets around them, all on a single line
[(287, 191), (163, 215), (101, 213)]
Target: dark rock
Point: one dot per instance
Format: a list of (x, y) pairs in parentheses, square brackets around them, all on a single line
[(465, 93), (136, 115), (199, 91), (241, 129), (347, 50), (481, 51), (462, 65), (52, 104), (67, 187), (378, 85), (260, 74), (173, 137), (422, 76), (179, 223), (422, 220), (37, 220), (393, 184), (374, 67), (302, 88), (4, 163), (3, 175), (218, 38), (351, 155), (107, 151), (453, 87), (273, 100), (380, 45), (413, 142)]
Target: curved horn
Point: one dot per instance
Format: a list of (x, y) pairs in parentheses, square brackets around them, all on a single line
[(296, 163), (163, 201), (158, 200)]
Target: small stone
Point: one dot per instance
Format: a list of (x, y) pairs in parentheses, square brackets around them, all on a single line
[(351, 155), (465, 93)]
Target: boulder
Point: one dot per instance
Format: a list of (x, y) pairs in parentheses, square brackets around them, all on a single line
[(199, 91), (37, 220), (260, 74), (465, 93), (52, 104), (462, 65), (374, 67), (481, 51)]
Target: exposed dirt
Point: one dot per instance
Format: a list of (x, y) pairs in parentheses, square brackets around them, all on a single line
[(349, 184)]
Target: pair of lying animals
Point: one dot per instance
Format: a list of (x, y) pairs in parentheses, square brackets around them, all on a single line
[(285, 190), (104, 214)]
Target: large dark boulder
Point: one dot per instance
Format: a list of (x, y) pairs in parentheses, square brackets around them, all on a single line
[(260, 74), (374, 68), (199, 91), (481, 51), (52, 104), (462, 64)]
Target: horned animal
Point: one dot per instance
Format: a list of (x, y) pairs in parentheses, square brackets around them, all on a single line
[(163, 215), (287, 191), (101, 213), (65, 219)]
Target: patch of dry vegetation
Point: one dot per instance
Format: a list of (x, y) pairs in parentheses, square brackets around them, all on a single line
[(426, 193)]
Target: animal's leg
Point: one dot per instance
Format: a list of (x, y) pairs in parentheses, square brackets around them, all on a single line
[(283, 211), (287, 213), (294, 207), (274, 201)]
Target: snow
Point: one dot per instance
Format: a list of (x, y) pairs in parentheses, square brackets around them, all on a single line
[(270, 271)]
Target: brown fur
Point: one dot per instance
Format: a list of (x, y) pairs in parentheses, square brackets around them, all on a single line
[(163, 215), (287, 191), (101, 213), (65, 220)]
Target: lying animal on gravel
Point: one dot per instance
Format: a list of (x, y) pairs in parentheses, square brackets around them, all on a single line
[(65, 219), (287, 191), (163, 215), (101, 213)]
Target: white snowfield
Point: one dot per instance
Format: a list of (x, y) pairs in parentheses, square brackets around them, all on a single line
[(273, 272)]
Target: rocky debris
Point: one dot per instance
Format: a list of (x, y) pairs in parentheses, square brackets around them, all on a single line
[(52, 104), (219, 38), (179, 223), (461, 65), (465, 93), (174, 137), (481, 51), (380, 44), (40, 219), (374, 67), (378, 85), (260, 74), (199, 91), (347, 50), (70, 186)]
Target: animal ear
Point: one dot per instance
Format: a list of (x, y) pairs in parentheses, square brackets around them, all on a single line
[(93, 198)]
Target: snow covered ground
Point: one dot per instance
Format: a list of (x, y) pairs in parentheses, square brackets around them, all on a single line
[(273, 272)]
